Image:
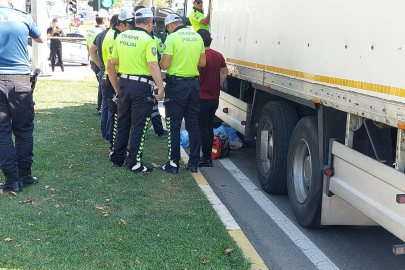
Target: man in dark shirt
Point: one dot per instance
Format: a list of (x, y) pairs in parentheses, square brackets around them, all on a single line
[(212, 76), (96, 53), (101, 23), (56, 44)]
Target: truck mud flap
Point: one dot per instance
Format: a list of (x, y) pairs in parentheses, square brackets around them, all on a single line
[(369, 186)]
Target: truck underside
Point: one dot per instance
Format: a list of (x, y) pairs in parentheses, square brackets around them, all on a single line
[(299, 141)]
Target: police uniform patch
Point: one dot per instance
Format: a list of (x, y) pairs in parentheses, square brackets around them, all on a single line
[(196, 16), (154, 51), (111, 49), (162, 45)]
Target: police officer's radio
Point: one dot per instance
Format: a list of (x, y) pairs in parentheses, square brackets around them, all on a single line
[(33, 78), (171, 79)]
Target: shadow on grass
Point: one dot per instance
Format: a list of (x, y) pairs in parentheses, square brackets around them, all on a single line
[(84, 214)]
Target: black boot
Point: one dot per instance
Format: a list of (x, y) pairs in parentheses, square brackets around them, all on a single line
[(169, 167), (26, 178), (191, 168), (140, 168), (205, 163), (12, 182)]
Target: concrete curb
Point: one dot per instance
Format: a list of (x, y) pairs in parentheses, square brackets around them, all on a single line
[(229, 222)]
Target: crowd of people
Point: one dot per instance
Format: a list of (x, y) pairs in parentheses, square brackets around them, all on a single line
[(127, 58), (130, 56)]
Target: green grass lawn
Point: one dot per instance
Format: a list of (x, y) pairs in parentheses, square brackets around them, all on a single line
[(84, 214)]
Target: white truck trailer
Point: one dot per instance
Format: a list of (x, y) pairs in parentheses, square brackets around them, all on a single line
[(319, 86)]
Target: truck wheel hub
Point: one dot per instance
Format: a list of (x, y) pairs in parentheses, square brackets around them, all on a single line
[(307, 171), (302, 170)]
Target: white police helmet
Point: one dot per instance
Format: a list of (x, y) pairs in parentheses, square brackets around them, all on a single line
[(126, 15), (143, 13), (171, 18)]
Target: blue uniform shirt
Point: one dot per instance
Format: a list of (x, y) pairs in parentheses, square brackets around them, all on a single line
[(15, 27)]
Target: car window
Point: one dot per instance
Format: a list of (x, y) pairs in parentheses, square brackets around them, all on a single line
[(70, 35), (80, 41)]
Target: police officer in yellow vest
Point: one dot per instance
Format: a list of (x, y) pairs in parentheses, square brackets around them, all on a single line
[(110, 79), (184, 52), (197, 17), (101, 21), (135, 53)]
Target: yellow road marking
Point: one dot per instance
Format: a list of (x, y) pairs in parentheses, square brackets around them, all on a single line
[(248, 250), (240, 238)]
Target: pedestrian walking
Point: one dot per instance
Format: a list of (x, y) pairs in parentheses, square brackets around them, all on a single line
[(212, 76), (135, 53), (56, 44), (184, 53), (16, 103)]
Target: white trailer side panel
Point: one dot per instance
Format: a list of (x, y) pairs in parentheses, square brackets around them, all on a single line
[(355, 45)]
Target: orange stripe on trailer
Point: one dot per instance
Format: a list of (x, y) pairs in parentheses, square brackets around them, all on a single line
[(260, 66), (249, 64), (388, 90)]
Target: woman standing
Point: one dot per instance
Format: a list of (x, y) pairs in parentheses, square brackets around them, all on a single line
[(56, 44)]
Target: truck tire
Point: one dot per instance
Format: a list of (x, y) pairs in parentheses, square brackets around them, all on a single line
[(278, 119), (304, 175)]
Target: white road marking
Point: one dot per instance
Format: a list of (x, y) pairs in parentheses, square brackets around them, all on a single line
[(219, 207), (314, 254)]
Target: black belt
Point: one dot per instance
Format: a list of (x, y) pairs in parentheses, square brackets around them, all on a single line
[(18, 78), (187, 78)]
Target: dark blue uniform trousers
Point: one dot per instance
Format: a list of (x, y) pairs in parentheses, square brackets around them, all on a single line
[(109, 92), (16, 116), (105, 113), (182, 100), (206, 117), (135, 104)]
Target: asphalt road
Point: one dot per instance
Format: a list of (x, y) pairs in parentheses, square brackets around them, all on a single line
[(345, 247)]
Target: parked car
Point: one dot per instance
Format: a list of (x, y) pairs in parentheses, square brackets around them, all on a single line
[(74, 51)]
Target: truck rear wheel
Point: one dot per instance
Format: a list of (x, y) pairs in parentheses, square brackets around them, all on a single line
[(276, 124), (304, 175)]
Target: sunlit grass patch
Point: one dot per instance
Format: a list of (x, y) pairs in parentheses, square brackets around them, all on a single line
[(84, 214)]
